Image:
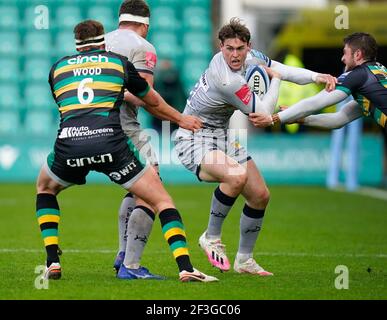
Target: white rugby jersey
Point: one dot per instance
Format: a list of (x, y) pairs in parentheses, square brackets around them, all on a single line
[(220, 91), (140, 52)]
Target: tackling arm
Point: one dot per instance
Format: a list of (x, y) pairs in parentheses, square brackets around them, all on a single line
[(299, 110), (293, 74), (303, 76), (311, 105), (349, 112), (157, 106), (131, 98)]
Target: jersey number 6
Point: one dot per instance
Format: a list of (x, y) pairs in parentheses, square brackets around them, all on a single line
[(82, 89)]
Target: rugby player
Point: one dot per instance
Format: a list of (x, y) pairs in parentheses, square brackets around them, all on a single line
[(364, 78), (214, 155), (88, 88), (129, 41)]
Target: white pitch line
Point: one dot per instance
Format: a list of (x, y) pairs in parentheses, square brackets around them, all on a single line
[(288, 254), (373, 192), (366, 191)]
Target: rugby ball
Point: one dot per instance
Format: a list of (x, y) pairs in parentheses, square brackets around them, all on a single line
[(257, 79)]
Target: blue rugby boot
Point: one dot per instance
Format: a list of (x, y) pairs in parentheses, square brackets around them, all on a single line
[(119, 260), (140, 273)]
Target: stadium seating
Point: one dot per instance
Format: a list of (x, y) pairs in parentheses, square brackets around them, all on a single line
[(10, 96), (64, 44), (200, 3), (197, 44), (9, 70), (103, 14), (38, 123), (9, 18), (9, 122), (167, 46), (67, 17), (27, 53), (38, 96), (36, 70), (10, 43), (164, 19), (37, 43), (196, 19), (192, 69), (164, 3)]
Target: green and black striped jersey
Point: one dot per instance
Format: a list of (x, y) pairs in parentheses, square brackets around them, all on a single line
[(89, 88), (93, 82), (368, 85)]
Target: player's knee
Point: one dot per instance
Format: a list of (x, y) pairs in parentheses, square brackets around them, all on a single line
[(46, 188), (45, 184), (166, 203), (161, 200), (264, 196), (237, 181)]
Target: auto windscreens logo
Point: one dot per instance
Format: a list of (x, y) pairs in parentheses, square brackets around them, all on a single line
[(84, 132)]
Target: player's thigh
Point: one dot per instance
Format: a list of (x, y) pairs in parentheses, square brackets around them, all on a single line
[(139, 201), (58, 173), (216, 166), (45, 184), (127, 170), (255, 190), (150, 189), (141, 141)]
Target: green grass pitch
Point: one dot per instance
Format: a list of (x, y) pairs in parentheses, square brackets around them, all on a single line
[(307, 233)]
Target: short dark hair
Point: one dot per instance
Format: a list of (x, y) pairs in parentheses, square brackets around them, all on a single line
[(364, 42), (234, 29), (88, 29), (134, 7)]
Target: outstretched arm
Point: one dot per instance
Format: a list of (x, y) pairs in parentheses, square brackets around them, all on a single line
[(349, 112), (303, 76), (300, 109), (311, 105), (157, 106), (160, 109)]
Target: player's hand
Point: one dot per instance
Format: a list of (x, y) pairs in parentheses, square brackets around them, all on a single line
[(299, 121), (261, 120), (271, 73), (283, 108), (330, 81), (190, 123)]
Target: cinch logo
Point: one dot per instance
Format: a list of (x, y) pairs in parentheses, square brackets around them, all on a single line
[(90, 160), (72, 132), (84, 59)]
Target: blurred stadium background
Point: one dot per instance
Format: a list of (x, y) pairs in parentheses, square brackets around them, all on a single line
[(308, 231), (184, 34)]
